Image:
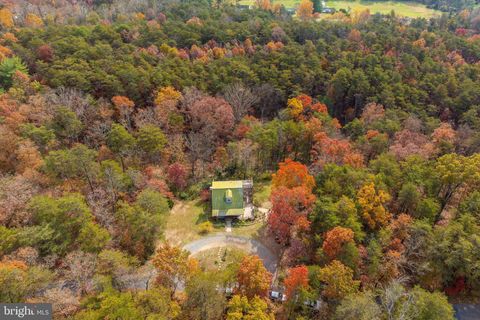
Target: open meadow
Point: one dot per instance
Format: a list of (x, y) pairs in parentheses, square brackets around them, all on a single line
[(407, 9)]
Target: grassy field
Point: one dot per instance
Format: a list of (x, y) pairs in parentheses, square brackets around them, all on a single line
[(186, 216), (408, 9), (261, 194), (217, 259)]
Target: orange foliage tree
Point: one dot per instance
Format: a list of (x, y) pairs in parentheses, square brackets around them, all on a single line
[(292, 174), (305, 10), (6, 18), (253, 278), (297, 279), (335, 239), (173, 266), (124, 107)]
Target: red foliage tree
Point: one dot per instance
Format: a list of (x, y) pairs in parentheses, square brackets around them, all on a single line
[(289, 211), (409, 142), (45, 53), (211, 114), (177, 176), (333, 150)]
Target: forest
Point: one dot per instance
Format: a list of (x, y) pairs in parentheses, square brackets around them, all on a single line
[(366, 127)]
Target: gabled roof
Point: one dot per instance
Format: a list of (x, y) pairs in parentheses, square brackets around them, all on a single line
[(227, 184)]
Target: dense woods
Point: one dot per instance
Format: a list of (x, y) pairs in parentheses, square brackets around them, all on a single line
[(367, 125)]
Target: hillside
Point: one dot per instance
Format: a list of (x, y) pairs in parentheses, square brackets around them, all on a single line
[(203, 160)]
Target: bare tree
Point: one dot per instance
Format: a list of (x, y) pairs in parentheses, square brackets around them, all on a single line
[(201, 147), (397, 302), (270, 100), (241, 99), (81, 268)]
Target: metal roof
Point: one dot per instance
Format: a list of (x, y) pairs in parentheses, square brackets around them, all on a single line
[(227, 184)]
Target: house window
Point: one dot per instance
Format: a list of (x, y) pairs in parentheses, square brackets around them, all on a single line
[(228, 196)]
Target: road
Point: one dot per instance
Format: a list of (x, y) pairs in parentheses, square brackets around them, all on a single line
[(252, 246)]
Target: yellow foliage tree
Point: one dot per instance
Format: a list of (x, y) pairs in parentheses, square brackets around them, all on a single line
[(167, 94), (359, 16), (372, 203), (173, 265), (338, 280), (33, 21), (295, 107)]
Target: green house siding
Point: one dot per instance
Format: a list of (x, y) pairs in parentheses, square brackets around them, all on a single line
[(227, 198)]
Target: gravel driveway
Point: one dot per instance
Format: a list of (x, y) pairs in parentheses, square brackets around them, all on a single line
[(252, 246)]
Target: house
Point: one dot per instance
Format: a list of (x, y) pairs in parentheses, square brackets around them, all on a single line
[(467, 311), (328, 10), (232, 199)]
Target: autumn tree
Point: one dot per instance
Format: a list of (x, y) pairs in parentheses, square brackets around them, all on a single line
[(292, 174), (337, 281), (33, 21), (243, 308), (17, 280), (290, 208), (253, 278), (45, 53), (124, 107), (335, 239), (263, 4), (177, 176), (166, 109), (453, 171), (6, 18), (407, 142), (173, 265), (372, 202), (213, 115), (297, 279), (333, 150), (305, 10)]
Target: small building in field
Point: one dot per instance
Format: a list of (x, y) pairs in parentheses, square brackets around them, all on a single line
[(232, 199)]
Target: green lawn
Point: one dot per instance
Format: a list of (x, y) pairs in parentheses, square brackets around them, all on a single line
[(409, 9)]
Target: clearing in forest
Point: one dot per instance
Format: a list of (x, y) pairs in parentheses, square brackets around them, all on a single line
[(407, 9)]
